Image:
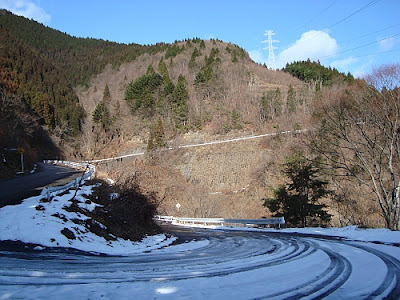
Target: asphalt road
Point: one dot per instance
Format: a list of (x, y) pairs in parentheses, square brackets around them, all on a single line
[(14, 190), (242, 265)]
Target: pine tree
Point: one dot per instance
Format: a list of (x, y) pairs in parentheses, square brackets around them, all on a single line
[(98, 112), (159, 135), (150, 70), (266, 110), (156, 137), (195, 54), (106, 118), (277, 102), (162, 67), (47, 111), (106, 94), (180, 97), (298, 200), (200, 78), (291, 101), (101, 115)]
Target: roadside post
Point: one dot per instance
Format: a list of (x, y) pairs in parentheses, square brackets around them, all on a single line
[(21, 151)]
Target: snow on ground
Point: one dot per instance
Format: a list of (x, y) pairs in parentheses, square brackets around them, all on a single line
[(40, 222), (354, 233), (220, 266)]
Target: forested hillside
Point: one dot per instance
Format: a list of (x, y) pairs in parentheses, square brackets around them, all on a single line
[(309, 71), (82, 98), (43, 66), (193, 85)]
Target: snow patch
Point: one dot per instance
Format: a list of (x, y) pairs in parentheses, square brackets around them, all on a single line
[(52, 224)]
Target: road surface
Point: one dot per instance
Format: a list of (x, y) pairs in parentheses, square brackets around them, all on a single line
[(14, 190), (210, 264)]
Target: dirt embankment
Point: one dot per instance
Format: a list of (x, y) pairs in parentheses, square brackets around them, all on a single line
[(220, 180)]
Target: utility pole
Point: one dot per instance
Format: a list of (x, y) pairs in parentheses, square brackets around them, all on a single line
[(270, 47)]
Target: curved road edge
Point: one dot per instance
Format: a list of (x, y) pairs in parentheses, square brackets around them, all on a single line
[(14, 190)]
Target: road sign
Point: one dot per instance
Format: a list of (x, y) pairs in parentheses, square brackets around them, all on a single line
[(178, 206), (21, 150)]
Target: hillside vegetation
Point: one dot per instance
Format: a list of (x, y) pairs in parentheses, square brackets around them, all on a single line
[(99, 99)]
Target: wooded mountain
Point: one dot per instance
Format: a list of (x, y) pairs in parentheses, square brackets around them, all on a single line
[(190, 84), (101, 99)]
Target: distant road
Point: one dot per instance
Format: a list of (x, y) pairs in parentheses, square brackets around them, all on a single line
[(14, 190), (244, 138)]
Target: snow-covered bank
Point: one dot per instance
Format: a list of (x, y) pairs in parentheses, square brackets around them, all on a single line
[(49, 224)]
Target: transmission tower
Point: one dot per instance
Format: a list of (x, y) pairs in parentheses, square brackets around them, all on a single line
[(270, 47)]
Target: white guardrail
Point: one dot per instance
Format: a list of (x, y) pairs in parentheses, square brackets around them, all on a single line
[(221, 221), (56, 190), (243, 138)]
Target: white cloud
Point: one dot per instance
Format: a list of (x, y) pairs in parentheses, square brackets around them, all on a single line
[(312, 44), (257, 56), (387, 44), (26, 8), (344, 64)]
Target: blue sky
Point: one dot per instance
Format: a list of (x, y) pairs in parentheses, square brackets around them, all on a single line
[(351, 35)]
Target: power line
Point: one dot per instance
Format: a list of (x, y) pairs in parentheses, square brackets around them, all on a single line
[(357, 38), (345, 18), (377, 53), (316, 16), (352, 14), (365, 45)]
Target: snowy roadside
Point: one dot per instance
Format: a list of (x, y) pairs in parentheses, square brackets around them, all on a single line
[(53, 224), (353, 233)]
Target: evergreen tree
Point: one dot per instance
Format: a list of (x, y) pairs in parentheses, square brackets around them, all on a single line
[(76, 116), (47, 111), (101, 115), (141, 92), (156, 137), (291, 101), (277, 102), (98, 112), (195, 54), (106, 94), (200, 78), (106, 118), (266, 110), (159, 135), (314, 72), (168, 85), (179, 100), (236, 119), (298, 200), (150, 70), (162, 67)]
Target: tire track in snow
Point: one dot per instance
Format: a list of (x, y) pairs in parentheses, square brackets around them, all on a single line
[(218, 255)]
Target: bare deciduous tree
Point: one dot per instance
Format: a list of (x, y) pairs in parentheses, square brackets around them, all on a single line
[(359, 136)]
